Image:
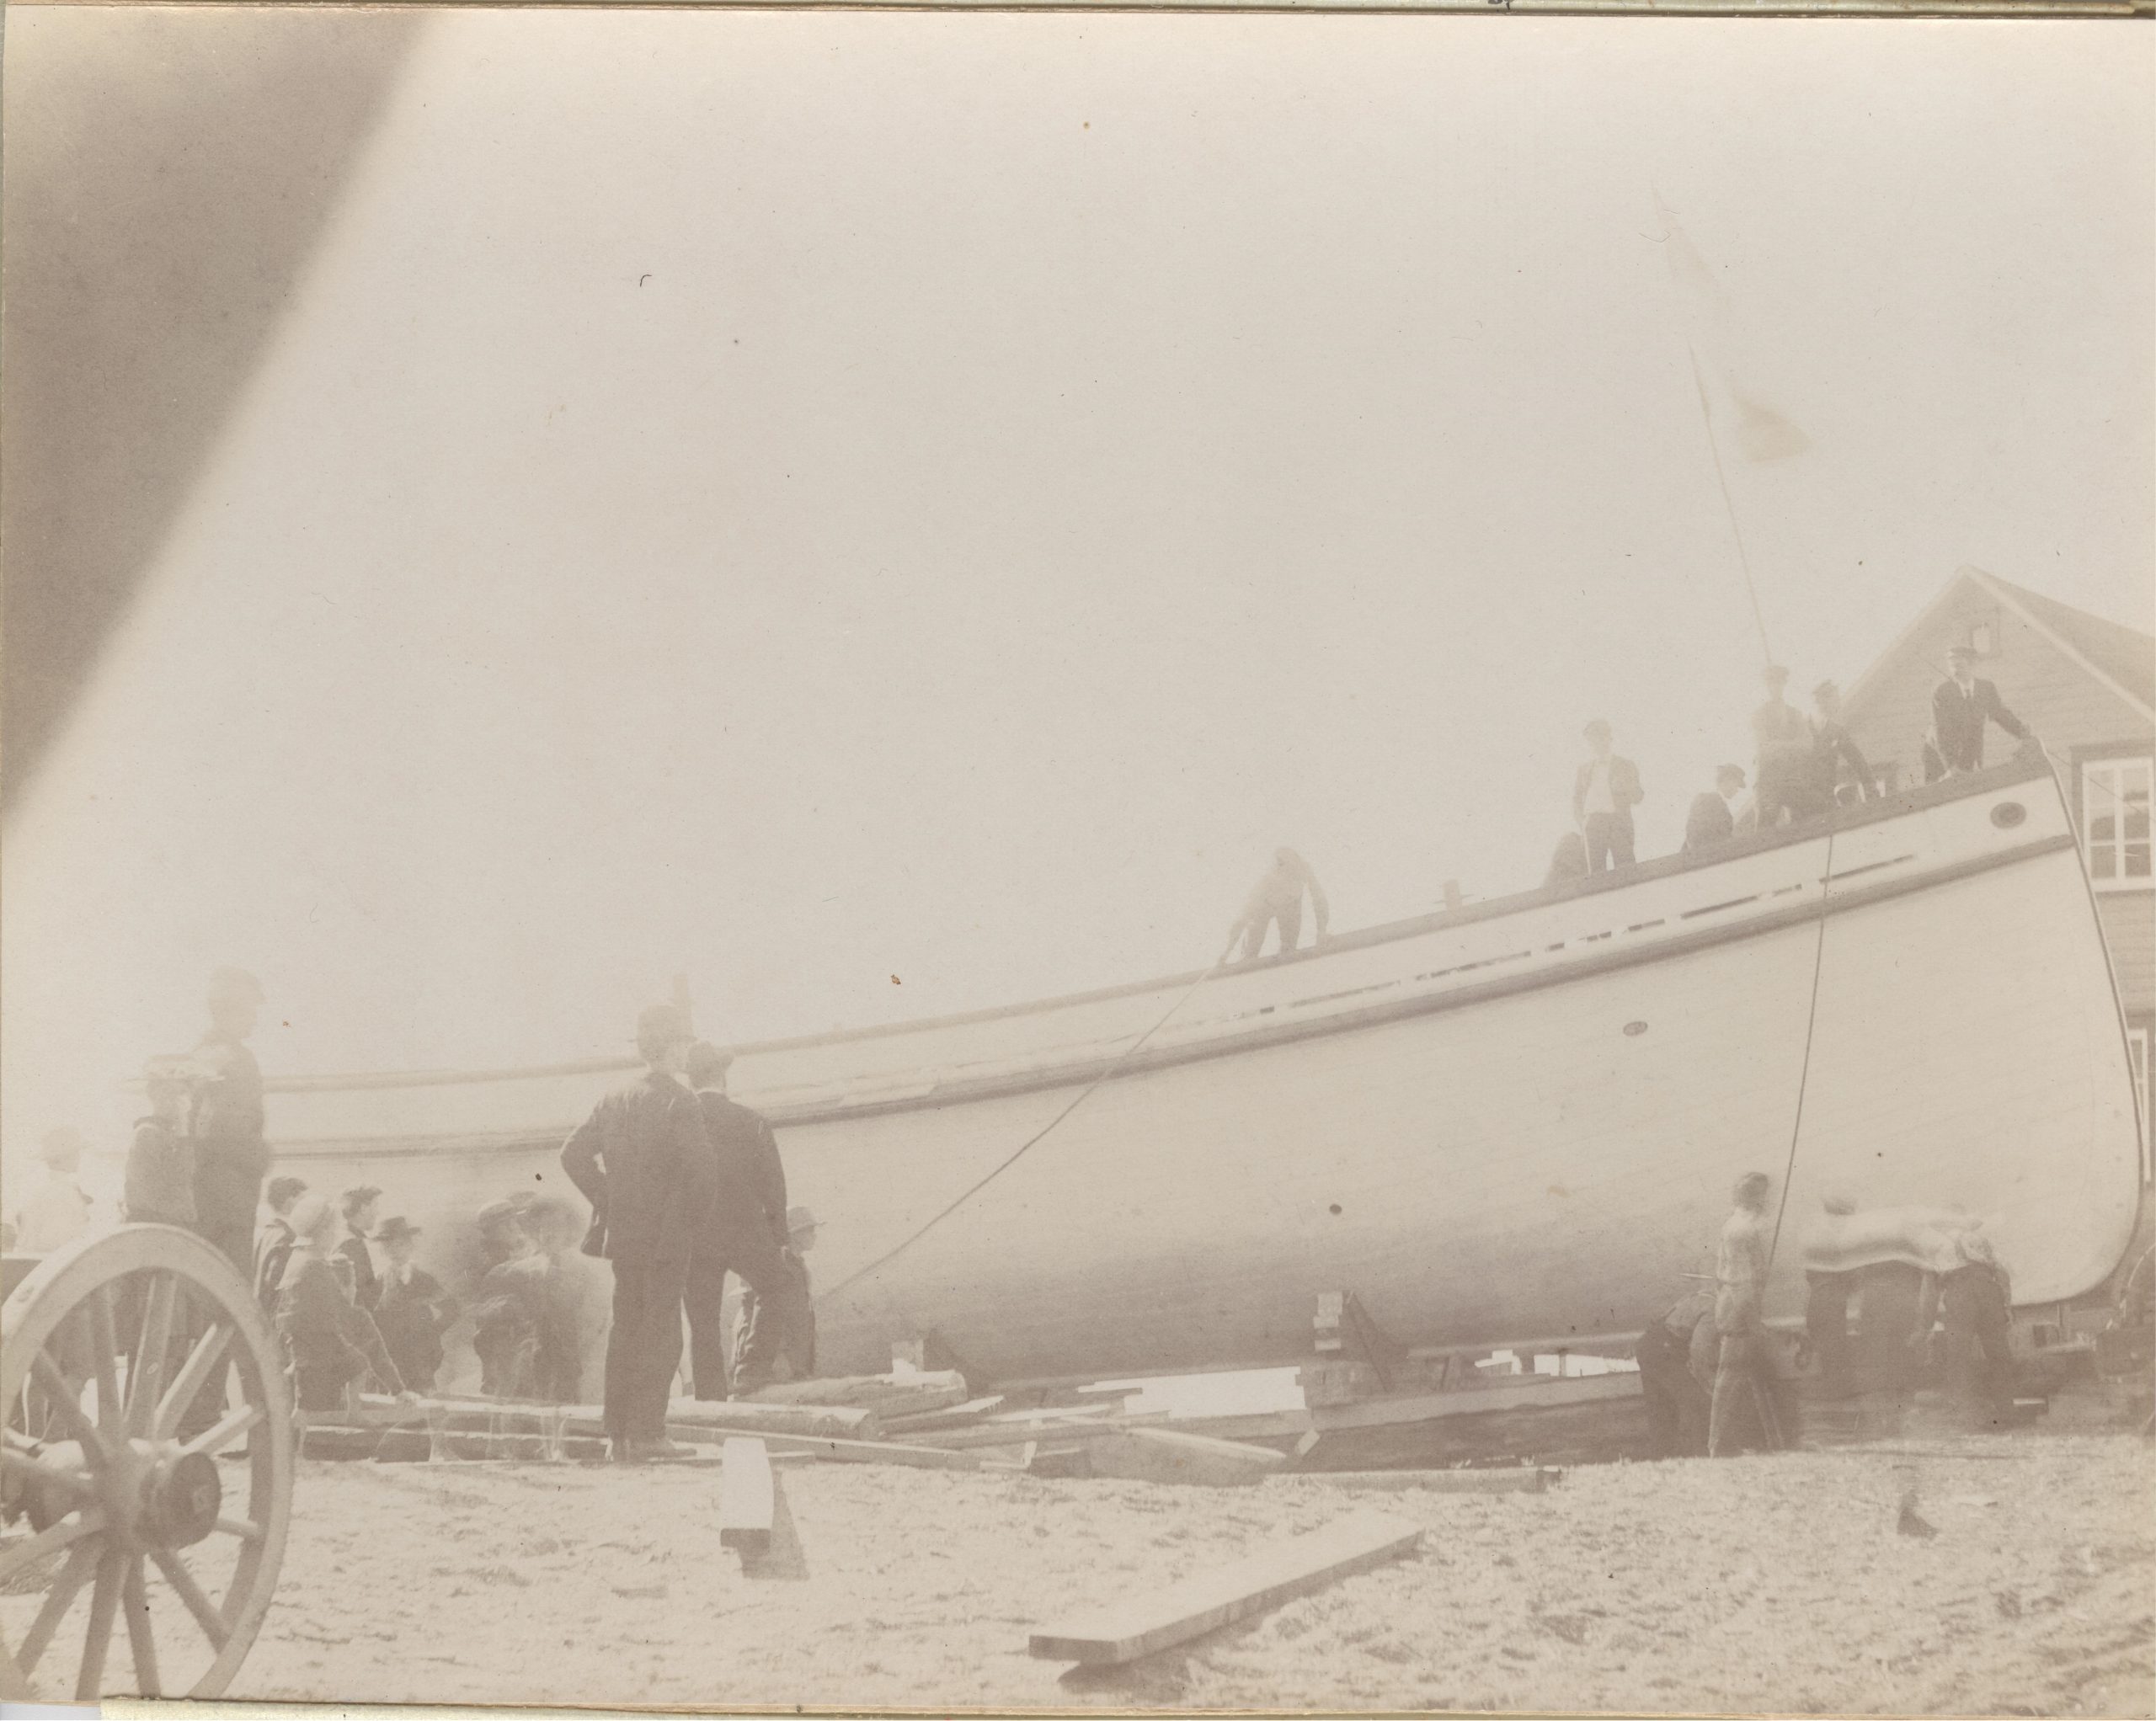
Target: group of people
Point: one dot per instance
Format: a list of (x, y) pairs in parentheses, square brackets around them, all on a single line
[(1705, 1369), (1803, 767), (685, 1186)]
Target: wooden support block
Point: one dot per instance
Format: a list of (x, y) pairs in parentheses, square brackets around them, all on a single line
[(746, 1497), (1146, 1624), (1060, 1461), (1164, 1455), (1518, 1479)]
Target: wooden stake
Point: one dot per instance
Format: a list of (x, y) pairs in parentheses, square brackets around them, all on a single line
[(746, 1497)]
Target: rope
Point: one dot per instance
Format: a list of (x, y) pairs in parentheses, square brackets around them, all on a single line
[(1034, 1140), (1803, 1069), (1735, 531)]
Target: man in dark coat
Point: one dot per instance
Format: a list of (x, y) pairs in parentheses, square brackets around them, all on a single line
[(645, 1163), (744, 1231), (230, 1156), (1712, 820), (1961, 705), (360, 1207), (1784, 777), (1604, 791), (273, 1243)]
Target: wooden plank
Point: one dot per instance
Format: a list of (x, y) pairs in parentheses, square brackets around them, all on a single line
[(1517, 1479), (693, 1419), (1145, 1625), (746, 1496), (872, 1451), (1012, 1430), (1524, 1392), (1164, 1455), (922, 1421), (915, 1390)]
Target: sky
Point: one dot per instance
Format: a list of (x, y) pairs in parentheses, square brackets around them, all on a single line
[(893, 513)]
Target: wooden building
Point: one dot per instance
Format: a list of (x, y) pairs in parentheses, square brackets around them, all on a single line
[(2087, 688)]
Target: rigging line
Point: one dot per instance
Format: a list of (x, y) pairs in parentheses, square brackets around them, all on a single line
[(1803, 1069), (1736, 531), (1033, 1141)]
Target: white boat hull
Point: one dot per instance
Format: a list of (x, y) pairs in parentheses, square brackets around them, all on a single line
[(1519, 1122)]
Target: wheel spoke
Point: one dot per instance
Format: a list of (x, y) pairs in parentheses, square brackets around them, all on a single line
[(148, 1373), (216, 1439), (185, 1586), (104, 1353), (64, 1534), (245, 1528), (67, 1399), (104, 1603), (141, 1642), (208, 1352), (75, 1572)]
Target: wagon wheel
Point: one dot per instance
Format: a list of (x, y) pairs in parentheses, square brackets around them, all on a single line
[(134, 1366)]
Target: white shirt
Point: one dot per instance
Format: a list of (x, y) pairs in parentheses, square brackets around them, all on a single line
[(1598, 789)]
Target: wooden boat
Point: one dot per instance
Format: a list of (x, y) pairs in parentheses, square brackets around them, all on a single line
[(1516, 1121)]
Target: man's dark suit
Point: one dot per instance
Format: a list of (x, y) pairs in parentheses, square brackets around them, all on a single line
[(644, 1163), (1957, 720), (743, 1231), (1707, 824)]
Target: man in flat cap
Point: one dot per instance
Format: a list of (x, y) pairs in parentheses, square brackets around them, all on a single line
[(1961, 705), (645, 1163), (231, 1157)]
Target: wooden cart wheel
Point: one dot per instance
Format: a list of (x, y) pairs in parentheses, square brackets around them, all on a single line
[(147, 1477)]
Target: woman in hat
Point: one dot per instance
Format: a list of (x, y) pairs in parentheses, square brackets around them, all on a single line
[(414, 1311)]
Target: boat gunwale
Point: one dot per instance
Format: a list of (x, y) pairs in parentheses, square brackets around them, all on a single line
[(1271, 1035), (1916, 799)]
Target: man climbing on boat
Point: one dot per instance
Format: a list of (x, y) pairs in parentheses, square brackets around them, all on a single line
[(1276, 899)]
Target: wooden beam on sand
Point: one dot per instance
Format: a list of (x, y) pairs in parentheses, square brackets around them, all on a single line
[(747, 1497), (1164, 1455), (902, 1394), (697, 1419), (923, 1421), (1518, 1479), (872, 1451), (1145, 1625)]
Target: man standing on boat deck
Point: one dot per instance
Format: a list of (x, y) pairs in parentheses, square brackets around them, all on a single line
[(1605, 792), (1277, 898), (645, 1162), (1712, 820), (743, 1231), (1961, 705), (1740, 1280), (1783, 772)]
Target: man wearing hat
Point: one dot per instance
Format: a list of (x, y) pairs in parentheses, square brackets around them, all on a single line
[(1961, 705), (1833, 746), (1604, 791), (1712, 820), (57, 1212), (744, 1229), (273, 1243), (413, 1310), (354, 1259), (645, 1163), (230, 1156), (1782, 772)]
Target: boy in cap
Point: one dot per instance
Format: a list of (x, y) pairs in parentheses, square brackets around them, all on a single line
[(414, 1311), (333, 1343), (647, 1165), (272, 1244), (159, 1185), (1961, 705), (57, 1212), (359, 1206)]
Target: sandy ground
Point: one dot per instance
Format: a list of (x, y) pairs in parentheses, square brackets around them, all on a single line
[(1759, 1583)]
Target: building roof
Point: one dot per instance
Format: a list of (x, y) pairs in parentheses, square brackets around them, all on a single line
[(2121, 655), (2121, 658)]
